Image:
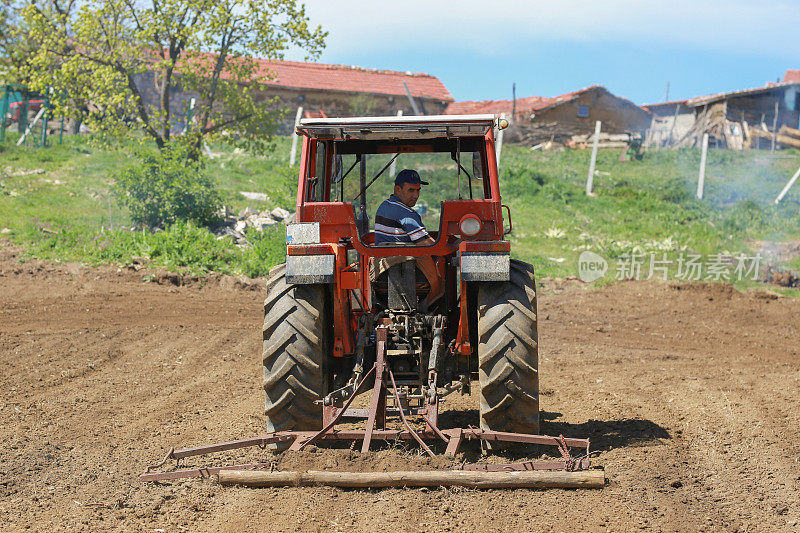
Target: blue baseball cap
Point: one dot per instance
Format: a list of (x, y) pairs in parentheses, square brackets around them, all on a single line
[(408, 176)]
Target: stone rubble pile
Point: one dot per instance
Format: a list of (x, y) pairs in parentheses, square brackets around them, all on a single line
[(236, 227)]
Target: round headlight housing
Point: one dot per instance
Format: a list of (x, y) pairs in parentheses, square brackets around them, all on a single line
[(470, 225)]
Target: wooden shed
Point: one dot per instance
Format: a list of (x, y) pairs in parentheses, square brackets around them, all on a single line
[(539, 119), (736, 119)]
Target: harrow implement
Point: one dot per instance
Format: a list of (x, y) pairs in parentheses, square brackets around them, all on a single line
[(376, 429)]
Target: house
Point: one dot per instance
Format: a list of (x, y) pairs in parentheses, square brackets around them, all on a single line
[(791, 76), (734, 119), (538, 119), (331, 90)]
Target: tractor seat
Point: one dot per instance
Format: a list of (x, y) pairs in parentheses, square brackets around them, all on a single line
[(380, 286)]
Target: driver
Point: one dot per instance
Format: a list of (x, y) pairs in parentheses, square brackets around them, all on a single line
[(397, 223)]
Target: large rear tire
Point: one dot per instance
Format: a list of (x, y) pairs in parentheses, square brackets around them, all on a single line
[(508, 352), (296, 341)]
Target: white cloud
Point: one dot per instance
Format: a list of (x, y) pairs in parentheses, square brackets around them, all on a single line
[(500, 27)]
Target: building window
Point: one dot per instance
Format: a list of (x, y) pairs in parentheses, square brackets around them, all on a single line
[(583, 111)]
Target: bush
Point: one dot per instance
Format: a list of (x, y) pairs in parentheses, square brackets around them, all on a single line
[(166, 187), (268, 249)]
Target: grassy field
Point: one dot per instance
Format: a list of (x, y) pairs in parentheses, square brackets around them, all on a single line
[(57, 204), (648, 206)]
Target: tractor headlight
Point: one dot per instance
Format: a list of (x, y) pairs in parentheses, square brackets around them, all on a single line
[(470, 225)]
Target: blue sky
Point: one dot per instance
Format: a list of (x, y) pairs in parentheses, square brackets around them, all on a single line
[(478, 48)]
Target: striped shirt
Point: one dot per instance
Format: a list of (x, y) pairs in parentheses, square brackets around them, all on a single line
[(396, 222)]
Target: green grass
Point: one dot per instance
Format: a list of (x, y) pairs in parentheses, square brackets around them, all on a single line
[(644, 207), (182, 247), (58, 204), (63, 210)]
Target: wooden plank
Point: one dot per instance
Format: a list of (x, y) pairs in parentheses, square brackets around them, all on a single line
[(455, 441)]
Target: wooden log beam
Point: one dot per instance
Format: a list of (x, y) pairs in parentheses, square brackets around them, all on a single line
[(791, 132), (759, 132), (781, 139), (788, 141), (785, 140), (528, 479)]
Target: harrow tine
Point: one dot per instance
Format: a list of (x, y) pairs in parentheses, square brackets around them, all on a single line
[(403, 417), (341, 412)]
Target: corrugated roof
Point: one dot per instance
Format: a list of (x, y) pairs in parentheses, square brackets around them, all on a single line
[(703, 100), (322, 76), (659, 104)]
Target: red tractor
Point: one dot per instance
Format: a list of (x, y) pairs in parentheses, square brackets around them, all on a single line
[(324, 308)]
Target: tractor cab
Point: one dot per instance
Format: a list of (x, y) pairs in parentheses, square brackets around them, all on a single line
[(349, 164), (348, 168)]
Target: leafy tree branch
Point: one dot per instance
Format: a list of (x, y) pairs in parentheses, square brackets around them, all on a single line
[(119, 63)]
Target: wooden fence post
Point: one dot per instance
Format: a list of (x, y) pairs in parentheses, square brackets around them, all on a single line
[(701, 180), (788, 186), (292, 154), (774, 129)]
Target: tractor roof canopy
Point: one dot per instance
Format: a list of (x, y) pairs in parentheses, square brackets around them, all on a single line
[(396, 128)]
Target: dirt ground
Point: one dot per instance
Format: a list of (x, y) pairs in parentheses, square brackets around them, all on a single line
[(689, 393)]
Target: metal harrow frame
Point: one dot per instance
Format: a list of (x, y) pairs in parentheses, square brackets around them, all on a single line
[(376, 429)]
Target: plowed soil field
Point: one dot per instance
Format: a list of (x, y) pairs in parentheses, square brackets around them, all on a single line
[(690, 394)]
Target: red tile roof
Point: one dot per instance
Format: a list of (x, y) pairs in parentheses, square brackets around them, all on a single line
[(525, 106), (321, 76), (791, 75)]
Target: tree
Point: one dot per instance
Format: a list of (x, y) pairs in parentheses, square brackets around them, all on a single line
[(123, 59), (15, 46)]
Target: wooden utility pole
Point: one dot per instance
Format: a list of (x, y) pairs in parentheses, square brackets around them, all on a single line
[(513, 102), (592, 163), (666, 97)]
